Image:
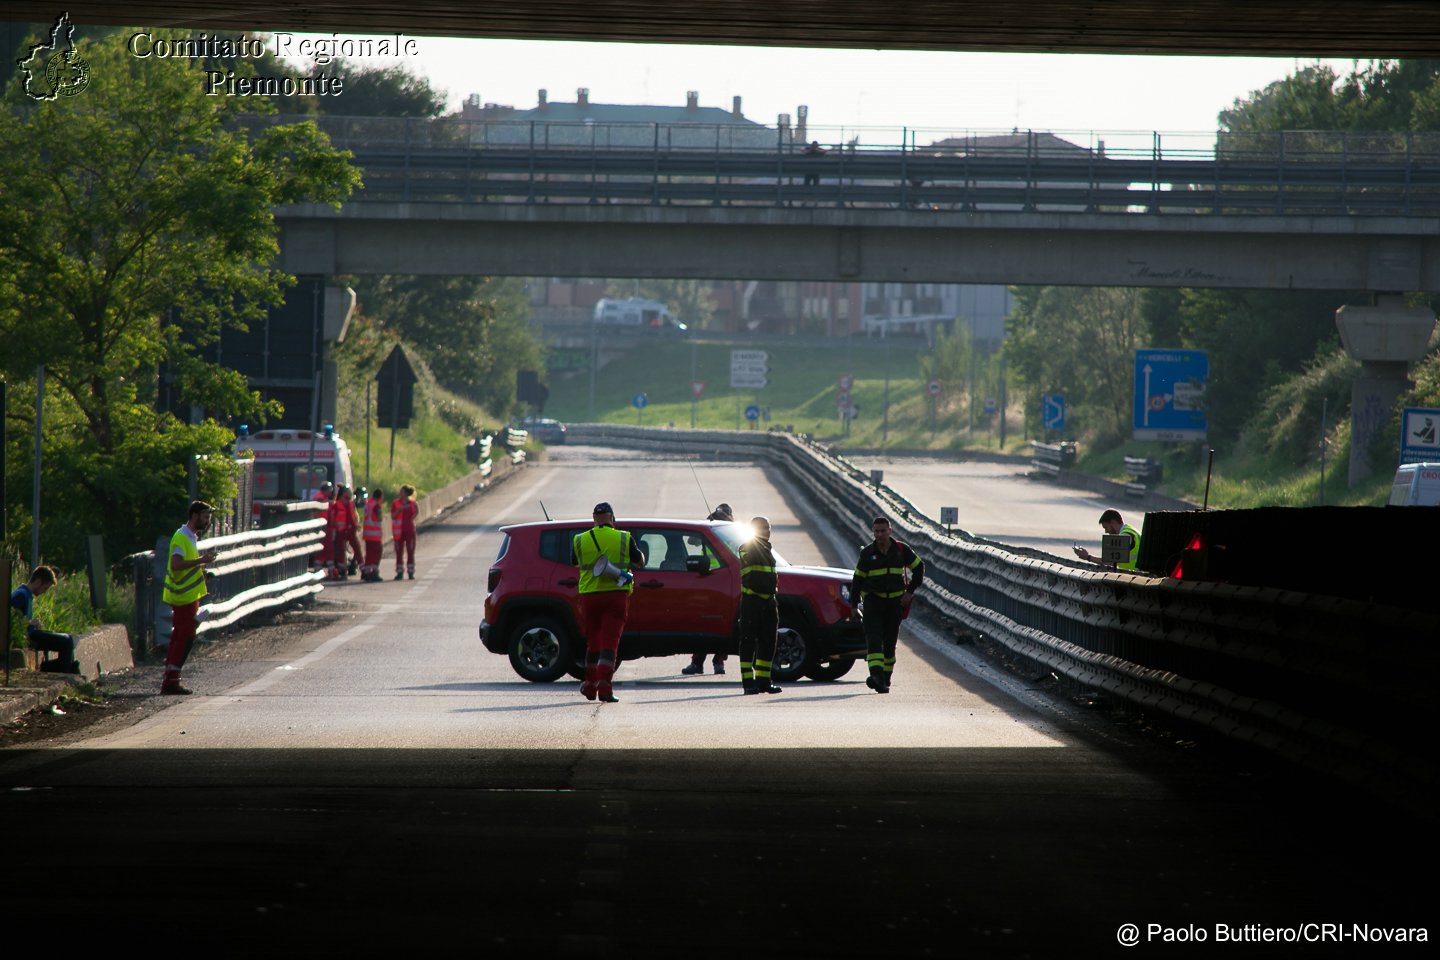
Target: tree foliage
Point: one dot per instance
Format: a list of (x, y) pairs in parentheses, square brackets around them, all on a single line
[(1079, 341), (473, 332), (135, 223), (390, 91)]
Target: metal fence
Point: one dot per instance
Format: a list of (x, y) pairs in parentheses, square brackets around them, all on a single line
[(1288, 172)]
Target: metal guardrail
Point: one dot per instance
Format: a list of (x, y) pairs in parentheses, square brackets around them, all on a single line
[(254, 571), (1051, 458), (1144, 473), (1287, 172), (1337, 685)]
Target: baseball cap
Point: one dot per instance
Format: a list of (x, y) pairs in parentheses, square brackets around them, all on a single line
[(603, 507)]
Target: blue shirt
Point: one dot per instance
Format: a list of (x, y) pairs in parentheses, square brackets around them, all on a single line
[(24, 601)]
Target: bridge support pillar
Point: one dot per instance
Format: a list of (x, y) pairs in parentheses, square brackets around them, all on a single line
[(1386, 338)]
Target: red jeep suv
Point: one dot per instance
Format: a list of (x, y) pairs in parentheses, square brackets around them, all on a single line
[(686, 600)]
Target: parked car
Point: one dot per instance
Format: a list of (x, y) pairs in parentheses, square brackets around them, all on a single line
[(686, 600), (544, 429)]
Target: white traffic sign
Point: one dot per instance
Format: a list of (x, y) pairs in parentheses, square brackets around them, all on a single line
[(934, 387), (697, 387), (749, 369)]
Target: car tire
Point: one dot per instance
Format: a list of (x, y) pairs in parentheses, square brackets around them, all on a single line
[(540, 650), (830, 669), (794, 655)]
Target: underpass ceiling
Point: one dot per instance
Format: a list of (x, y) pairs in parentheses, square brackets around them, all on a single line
[(1302, 28)]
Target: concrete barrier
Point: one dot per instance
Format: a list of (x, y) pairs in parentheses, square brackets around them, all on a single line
[(104, 649)]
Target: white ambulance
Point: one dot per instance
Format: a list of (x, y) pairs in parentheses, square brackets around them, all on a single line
[(292, 464), (1416, 485)]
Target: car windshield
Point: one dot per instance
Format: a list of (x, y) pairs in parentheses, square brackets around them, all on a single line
[(734, 534)]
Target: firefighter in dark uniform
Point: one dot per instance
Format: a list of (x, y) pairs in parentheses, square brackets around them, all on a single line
[(759, 610), (886, 577)]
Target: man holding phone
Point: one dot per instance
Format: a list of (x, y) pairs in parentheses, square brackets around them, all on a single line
[(184, 587)]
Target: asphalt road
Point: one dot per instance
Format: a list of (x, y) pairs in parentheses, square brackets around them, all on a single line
[(996, 502), (385, 782)]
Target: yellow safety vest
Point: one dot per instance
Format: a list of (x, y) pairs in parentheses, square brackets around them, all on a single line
[(589, 546), (1134, 547), (188, 585)]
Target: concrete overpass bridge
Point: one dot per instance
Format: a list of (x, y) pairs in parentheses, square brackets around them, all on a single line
[(1312, 211)]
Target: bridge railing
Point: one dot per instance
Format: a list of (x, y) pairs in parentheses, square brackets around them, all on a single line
[(1338, 685), (1289, 172)]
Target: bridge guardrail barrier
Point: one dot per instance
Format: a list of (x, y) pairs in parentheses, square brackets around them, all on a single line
[(1286, 172), (1337, 685)]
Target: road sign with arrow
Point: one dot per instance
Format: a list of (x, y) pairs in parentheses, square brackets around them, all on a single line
[(1170, 395)]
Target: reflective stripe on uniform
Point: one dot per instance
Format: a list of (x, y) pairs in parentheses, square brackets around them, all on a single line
[(189, 585)]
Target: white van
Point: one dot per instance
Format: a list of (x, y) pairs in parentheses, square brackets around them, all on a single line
[(1416, 485), (635, 312), (285, 467)]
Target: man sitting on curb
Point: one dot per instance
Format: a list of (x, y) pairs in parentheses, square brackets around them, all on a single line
[(23, 600)]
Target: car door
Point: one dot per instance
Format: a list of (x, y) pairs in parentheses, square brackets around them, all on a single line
[(688, 587)]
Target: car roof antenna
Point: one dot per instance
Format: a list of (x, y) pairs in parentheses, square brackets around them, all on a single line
[(543, 510), (702, 489)]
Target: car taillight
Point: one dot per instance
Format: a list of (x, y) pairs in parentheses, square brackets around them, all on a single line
[(494, 580)]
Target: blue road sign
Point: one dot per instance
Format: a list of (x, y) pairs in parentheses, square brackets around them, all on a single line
[(1052, 411), (1170, 394), (752, 412), (1419, 435), (639, 400)]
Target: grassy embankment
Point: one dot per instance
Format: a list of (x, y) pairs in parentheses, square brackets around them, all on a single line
[(802, 389)]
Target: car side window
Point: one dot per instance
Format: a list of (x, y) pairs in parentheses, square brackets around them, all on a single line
[(555, 545), (665, 550)]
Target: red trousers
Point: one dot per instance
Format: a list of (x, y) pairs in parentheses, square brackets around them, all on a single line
[(373, 550), (604, 614), (182, 637), (405, 545)]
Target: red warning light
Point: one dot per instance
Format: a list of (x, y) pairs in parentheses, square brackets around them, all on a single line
[(1196, 544)]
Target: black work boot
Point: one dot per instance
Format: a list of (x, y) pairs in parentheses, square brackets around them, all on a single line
[(750, 685)]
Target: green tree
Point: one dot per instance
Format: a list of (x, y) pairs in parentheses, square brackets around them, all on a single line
[(135, 223), (1079, 341), (473, 332), (390, 91)]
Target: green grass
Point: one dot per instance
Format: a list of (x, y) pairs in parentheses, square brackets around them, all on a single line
[(801, 394), (802, 391)]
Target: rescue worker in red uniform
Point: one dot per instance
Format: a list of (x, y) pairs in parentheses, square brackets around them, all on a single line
[(886, 577), (759, 610), (373, 533), (403, 511), (604, 600), (343, 522), (325, 559)]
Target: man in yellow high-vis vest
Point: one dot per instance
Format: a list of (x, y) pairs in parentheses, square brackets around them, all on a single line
[(184, 587), (604, 599), (1114, 524)]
